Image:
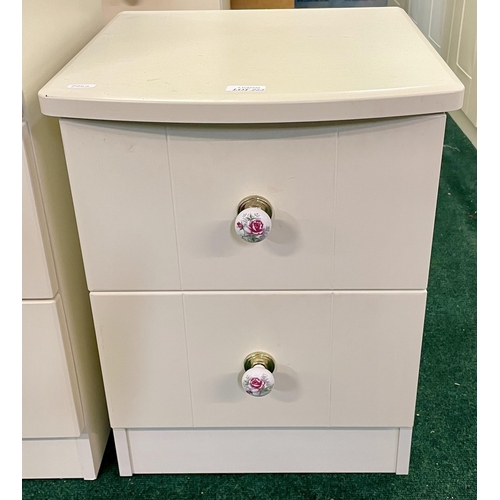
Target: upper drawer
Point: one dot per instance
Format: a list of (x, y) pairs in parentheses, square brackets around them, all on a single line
[(353, 203), (39, 274)]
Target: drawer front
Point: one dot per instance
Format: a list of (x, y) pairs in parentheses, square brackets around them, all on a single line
[(142, 348), (39, 274), (295, 328), (377, 339), (121, 190), (385, 204), (292, 167), (51, 398), (343, 358), (353, 204)]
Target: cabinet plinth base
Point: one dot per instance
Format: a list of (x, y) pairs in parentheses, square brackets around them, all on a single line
[(281, 450), (71, 457)]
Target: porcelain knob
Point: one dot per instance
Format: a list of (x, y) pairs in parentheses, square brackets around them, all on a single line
[(258, 379), (253, 222)]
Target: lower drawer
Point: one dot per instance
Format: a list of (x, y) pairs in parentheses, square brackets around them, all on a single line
[(344, 359), (51, 397)]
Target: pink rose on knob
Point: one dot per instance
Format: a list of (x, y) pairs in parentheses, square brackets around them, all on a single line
[(256, 383), (256, 226), (252, 225)]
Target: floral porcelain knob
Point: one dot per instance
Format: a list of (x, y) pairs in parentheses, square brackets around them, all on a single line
[(258, 378), (253, 222)]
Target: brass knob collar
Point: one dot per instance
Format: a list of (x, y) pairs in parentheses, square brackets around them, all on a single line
[(259, 358)]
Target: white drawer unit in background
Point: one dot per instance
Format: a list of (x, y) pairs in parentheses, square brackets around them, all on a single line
[(256, 216), (65, 420), (62, 437)]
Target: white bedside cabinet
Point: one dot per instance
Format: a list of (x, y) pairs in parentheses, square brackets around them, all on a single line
[(257, 182)]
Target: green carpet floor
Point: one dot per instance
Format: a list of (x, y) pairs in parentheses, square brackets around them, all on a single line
[(443, 461)]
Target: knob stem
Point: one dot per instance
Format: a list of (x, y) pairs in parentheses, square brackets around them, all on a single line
[(255, 201), (259, 358)]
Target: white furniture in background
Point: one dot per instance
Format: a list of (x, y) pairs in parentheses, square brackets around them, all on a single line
[(164, 147), (111, 8), (462, 58), (451, 27), (65, 420)]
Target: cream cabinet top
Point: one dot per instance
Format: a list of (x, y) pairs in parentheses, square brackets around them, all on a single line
[(254, 66)]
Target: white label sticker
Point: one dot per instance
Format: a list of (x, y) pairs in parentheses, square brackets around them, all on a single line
[(245, 88), (81, 85)]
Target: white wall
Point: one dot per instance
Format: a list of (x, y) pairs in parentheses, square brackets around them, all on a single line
[(111, 8), (451, 27)]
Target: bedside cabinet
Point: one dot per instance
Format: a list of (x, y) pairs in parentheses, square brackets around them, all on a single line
[(255, 195)]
